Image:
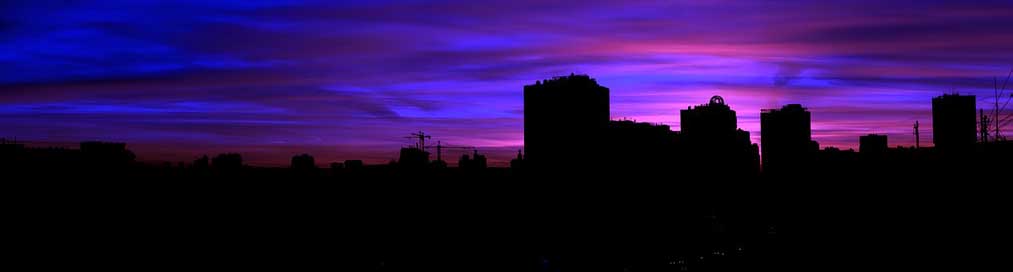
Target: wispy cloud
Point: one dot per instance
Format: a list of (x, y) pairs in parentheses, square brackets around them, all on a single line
[(324, 76)]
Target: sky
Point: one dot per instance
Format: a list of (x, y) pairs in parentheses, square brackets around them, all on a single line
[(350, 80)]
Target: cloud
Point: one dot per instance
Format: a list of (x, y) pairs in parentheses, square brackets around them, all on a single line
[(326, 77), (786, 73)]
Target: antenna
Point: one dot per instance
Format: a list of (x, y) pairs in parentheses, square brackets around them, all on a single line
[(917, 136), (983, 125)]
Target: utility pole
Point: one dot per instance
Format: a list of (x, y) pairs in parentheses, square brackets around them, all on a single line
[(983, 125), (918, 138), (439, 151)]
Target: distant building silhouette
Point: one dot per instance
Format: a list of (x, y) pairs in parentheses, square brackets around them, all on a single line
[(635, 147), (834, 160), (518, 162), (438, 164), (873, 150), (872, 144), (10, 151), (106, 154), (227, 161), (102, 147), (10, 145), (413, 158), (954, 122), (477, 161), (202, 163), (303, 162), (337, 166), (353, 164), (564, 121), (711, 120), (12, 156), (714, 140), (786, 139)]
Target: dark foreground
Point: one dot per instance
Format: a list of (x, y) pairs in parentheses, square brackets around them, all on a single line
[(500, 220)]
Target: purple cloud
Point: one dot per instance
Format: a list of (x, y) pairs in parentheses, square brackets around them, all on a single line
[(347, 80)]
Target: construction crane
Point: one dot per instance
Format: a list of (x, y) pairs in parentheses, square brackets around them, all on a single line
[(439, 149), (421, 136), (421, 144)]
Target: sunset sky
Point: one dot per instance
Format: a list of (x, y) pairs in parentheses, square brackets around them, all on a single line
[(271, 79)]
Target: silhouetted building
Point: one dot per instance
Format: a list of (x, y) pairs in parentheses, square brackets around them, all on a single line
[(477, 161), (57, 158), (438, 164), (480, 161), (635, 147), (872, 144), (832, 160), (715, 143), (10, 146), (202, 163), (337, 166), (227, 161), (11, 155), (413, 158), (102, 147), (303, 162), (353, 164), (518, 162), (106, 154), (564, 119), (711, 120), (464, 162), (953, 122), (786, 139), (872, 150)]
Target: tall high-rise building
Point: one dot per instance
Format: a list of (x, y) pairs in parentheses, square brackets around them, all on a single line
[(785, 138), (953, 122), (565, 120)]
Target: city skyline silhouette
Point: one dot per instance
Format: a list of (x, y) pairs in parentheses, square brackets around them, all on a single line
[(581, 137), (589, 194), (802, 125)]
